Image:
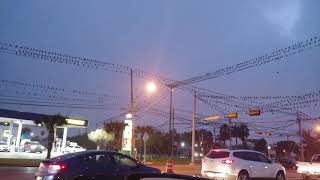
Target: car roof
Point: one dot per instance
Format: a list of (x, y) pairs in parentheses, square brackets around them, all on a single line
[(76, 154)]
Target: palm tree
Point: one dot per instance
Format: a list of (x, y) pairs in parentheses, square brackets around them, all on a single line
[(224, 133), (51, 122), (243, 133), (261, 145), (235, 132)]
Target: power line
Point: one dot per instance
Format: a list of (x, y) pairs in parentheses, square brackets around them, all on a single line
[(276, 55)]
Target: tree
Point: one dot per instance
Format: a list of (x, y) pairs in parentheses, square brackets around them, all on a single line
[(243, 133), (83, 141), (117, 129), (51, 122), (140, 130), (101, 137), (312, 143), (206, 138), (235, 132), (261, 145), (288, 146), (224, 133)]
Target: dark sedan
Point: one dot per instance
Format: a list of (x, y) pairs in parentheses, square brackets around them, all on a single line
[(91, 165)]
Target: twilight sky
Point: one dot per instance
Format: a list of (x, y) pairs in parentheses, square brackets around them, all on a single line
[(176, 39)]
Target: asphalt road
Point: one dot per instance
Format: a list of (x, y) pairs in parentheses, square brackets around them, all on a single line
[(27, 173), (25, 155), (15, 173)]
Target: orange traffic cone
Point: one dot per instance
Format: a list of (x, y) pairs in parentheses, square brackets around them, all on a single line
[(169, 168)]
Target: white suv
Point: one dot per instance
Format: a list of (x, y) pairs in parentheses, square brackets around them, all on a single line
[(240, 165)]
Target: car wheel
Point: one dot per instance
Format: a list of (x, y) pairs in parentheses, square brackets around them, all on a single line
[(280, 176), (243, 175)]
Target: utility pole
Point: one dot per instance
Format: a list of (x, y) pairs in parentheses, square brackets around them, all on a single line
[(230, 132), (173, 134), (214, 132), (301, 144), (133, 142), (202, 143), (170, 120), (193, 128)]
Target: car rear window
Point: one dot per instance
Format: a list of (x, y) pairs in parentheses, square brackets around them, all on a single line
[(218, 154)]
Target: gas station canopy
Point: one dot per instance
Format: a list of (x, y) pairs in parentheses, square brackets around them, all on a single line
[(28, 118)]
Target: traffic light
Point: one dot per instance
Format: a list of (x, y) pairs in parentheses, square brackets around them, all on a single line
[(232, 115), (212, 118), (254, 112)]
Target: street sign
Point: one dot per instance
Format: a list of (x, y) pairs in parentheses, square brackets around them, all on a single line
[(145, 137), (232, 115), (254, 112), (212, 118)]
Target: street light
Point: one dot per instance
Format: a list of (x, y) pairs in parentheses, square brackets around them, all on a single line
[(318, 128), (151, 87), (182, 144)]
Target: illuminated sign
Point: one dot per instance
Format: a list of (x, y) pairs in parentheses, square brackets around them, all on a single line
[(77, 122), (127, 135), (128, 116)]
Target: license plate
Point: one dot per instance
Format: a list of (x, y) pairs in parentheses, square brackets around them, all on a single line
[(39, 178)]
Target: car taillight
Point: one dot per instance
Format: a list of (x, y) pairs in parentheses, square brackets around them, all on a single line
[(227, 161), (53, 168)]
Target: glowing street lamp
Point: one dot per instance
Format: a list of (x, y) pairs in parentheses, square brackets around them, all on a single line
[(318, 128), (151, 87), (182, 144)]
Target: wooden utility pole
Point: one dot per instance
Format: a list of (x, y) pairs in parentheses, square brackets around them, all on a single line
[(133, 142), (301, 144), (173, 134), (214, 132), (193, 128), (170, 120)]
